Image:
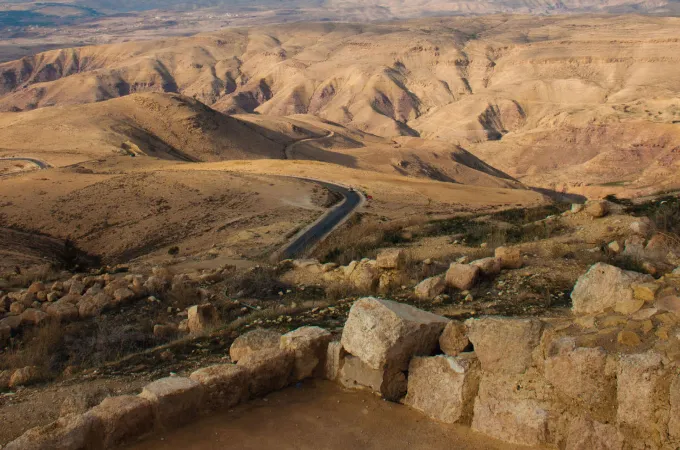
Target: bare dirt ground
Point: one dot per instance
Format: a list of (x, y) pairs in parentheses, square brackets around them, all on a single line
[(320, 415)]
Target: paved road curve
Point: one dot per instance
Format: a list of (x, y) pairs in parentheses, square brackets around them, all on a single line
[(37, 162), (313, 234)]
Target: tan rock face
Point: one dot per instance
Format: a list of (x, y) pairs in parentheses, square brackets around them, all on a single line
[(510, 257), (393, 258), (462, 276), (670, 304), (72, 432), (454, 338), (517, 416), (33, 317), (62, 311), (582, 375), (645, 291), (430, 288), (124, 419), (175, 400), (225, 385), (584, 434), (504, 344), (606, 287), (444, 387), (386, 334), (268, 370), (488, 267), (356, 374), (309, 345), (202, 318), (365, 276), (254, 341), (643, 397)]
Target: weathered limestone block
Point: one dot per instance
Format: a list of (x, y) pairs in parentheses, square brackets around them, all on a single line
[(517, 409), (454, 339), (597, 208), (175, 400), (643, 397), (72, 432), (386, 334), (583, 375), (505, 344), (334, 359), (391, 258), (62, 311), (444, 387), (365, 276), (268, 370), (606, 287), (584, 434), (123, 419), (430, 288), (25, 376), (224, 385), (309, 346), (202, 318), (355, 374), (488, 267), (462, 276), (254, 341), (510, 257)]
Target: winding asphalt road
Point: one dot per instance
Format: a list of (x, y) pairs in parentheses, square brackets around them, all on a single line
[(306, 239)]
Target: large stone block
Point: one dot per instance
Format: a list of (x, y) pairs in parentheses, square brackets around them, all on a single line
[(488, 267), (123, 419), (584, 434), (454, 339), (444, 387), (583, 375), (505, 344), (254, 341), (643, 397), (335, 355), (224, 385), (175, 400), (391, 258), (309, 345), (386, 334), (462, 276), (268, 370), (517, 409), (606, 287), (365, 276), (202, 318), (72, 432), (355, 374)]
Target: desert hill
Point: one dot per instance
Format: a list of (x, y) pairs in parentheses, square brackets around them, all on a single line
[(565, 97)]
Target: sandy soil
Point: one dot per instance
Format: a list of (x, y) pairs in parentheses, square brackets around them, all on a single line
[(320, 416)]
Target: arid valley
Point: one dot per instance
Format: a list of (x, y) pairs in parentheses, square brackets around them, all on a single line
[(259, 213)]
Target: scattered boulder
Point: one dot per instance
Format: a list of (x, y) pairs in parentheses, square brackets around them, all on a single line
[(606, 287), (309, 345), (393, 258), (365, 276), (202, 318), (254, 341), (33, 317), (488, 267), (124, 419), (641, 227), (444, 387), (334, 358), (597, 208), (25, 376), (615, 247), (454, 340), (430, 288), (387, 334), (123, 295), (268, 370), (62, 310), (175, 400), (225, 385), (496, 338), (462, 276), (510, 257)]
